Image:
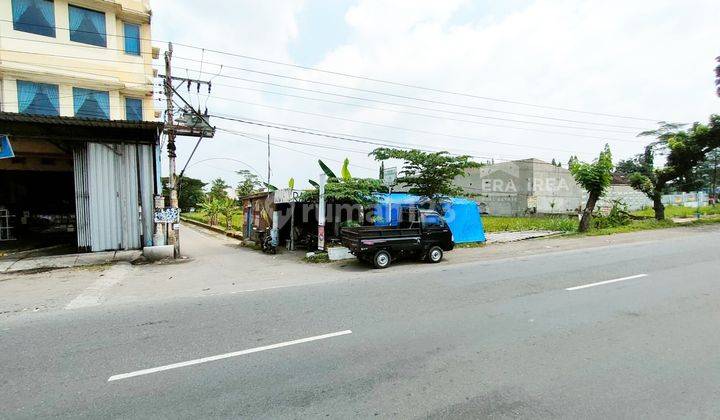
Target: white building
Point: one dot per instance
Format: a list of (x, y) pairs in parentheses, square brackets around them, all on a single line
[(76, 102)]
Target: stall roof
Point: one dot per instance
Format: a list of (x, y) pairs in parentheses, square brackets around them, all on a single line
[(58, 128)]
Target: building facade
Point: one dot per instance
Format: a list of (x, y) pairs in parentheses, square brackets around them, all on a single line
[(522, 187), (532, 186), (76, 104)]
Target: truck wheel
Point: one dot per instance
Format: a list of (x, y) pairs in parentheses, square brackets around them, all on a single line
[(435, 255), (382, 259)]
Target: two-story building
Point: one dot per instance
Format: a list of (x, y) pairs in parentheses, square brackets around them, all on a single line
[(76, 103)]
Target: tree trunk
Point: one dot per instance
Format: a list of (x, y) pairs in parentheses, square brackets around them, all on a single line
[(659, 207), (587, 213)]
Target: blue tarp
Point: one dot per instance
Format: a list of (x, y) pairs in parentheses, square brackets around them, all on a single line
[(461, 214)]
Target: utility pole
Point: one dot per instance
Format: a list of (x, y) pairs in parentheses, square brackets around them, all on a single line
[(714, 182), (268, 160), (173, 234)]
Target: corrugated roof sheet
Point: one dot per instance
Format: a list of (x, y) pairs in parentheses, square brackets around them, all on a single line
[(84, 122)]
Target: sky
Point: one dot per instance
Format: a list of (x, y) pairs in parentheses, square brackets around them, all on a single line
[(497, 80)]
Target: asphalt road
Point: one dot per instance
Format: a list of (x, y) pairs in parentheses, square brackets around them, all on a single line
[(500, 339)]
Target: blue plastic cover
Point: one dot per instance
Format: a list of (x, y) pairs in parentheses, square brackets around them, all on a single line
[(461, 214)]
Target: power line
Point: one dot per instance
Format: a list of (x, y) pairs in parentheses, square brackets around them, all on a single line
[(376, 92), (345, 137), (426, 115), (411, 130), (606, 139), (407, 85), (295, 150)]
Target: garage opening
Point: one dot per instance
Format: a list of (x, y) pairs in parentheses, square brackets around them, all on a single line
[(37, 198)]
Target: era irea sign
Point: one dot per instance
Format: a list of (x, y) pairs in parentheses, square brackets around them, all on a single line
[(500, 185)]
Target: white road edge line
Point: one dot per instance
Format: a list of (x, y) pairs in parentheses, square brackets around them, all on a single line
[(225, 356), (606, 282)]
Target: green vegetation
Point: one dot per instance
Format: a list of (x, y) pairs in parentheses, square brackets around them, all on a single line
[(250, 183), (237, 219), (190, 192), (685, 149), (218, 189), (516, 224), (595, 178), (680, 212), (320, 258), (633, 226), (430, 175)]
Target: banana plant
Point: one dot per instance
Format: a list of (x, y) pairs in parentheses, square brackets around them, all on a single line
[(345, 172)]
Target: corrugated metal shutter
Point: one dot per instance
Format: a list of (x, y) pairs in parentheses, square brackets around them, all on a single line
[(82, 198), (121, 195), (105, 221), (147, 189)]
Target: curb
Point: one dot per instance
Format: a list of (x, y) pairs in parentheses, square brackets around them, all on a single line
[(234, 235)]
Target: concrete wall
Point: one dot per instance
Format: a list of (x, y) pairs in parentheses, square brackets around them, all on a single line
[(59, 61), (522, 187), (634, 199), (554, 190)]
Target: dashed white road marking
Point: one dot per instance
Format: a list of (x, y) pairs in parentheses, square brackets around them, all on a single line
[(606, 282), (94, 295), (225, 356)]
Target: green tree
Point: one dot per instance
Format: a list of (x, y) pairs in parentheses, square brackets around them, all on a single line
[(218, 189), (250, 183), (190, 192), (228, 208), (212, 208), (686, 149), (430, 175), (594, 177), (351, 191)]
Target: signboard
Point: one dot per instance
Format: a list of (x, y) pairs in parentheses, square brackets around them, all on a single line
[(286, 195), (168, 215), (321, 212), (6, 151), (321, 238), (390, 177)]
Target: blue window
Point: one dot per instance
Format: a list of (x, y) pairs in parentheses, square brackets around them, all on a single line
[(34, 16), (132, 39), (37, 98), (87, 26), (133, 109), (91, 103)]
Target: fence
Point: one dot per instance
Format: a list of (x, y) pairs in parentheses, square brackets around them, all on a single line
[(686, 199)]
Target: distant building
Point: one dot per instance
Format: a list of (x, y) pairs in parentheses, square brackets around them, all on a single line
[(76, 103), (532, 186)]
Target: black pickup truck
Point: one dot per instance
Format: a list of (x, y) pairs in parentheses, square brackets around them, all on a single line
[(422, 234)]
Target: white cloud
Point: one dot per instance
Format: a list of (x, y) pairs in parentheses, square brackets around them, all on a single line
[(649, 58)]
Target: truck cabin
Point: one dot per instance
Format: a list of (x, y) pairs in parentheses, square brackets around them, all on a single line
[(416, 218)]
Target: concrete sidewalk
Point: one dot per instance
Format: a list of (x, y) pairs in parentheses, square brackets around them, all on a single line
[(22, 262), (507, 237)]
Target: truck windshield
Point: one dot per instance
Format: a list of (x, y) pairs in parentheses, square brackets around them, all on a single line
[(432, 220)]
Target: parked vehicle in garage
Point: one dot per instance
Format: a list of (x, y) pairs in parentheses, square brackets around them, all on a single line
[(422, 234)]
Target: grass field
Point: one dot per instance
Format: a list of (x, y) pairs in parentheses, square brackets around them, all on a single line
[(676, 211), (237, 221), (516, 224)]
